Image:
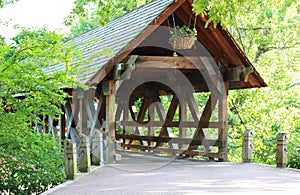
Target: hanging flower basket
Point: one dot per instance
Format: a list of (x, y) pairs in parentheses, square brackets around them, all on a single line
[(182, 43), (182, 37)]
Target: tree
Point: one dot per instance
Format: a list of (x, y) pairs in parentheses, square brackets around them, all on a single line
[(88, 14), (31, 162)]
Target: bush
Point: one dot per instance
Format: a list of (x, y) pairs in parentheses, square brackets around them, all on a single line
[(30, 163), (293, 156)]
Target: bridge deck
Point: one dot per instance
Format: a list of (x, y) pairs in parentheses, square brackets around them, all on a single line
[(152, 174)]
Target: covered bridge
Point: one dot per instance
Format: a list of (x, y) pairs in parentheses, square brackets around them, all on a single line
[(146, 96)]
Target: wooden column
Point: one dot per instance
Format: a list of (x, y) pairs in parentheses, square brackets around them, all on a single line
[(223, 117), (84, 154), (151, 118), (63, 124), (97, 147), (82, 125), (247, 147), (182, 118), (109, 92), (70, 159), (281, 150)]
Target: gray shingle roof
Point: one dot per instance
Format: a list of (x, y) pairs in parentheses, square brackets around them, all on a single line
[(117, 34)]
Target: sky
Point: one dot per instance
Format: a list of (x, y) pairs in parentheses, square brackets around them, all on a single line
[(35, 13)]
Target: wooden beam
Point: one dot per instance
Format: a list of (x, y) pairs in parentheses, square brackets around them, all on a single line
[(62, 123), (207, 142), (168, 62), (223, 118), (111, 122), (176, 151), (183, 124), (182, 119)]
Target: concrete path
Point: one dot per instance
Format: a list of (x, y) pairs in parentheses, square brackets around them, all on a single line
[(140, 174)]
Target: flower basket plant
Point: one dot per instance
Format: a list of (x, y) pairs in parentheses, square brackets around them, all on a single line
[(182, 37)]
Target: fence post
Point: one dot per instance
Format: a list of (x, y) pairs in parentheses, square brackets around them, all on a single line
[(84, 154), (70, 159), (247, 147), (97, 147), (281, 150)]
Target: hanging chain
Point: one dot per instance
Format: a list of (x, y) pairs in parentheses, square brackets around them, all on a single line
[(175, 31)]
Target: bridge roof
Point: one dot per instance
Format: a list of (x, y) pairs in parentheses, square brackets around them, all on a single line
[(128, 32)]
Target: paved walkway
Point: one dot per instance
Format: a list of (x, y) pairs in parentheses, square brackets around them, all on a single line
[(140, 174)]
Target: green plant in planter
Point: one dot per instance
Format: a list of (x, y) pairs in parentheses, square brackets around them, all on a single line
[(182, 37), (183, 32)]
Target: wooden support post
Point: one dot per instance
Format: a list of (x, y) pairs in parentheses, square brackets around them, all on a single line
[(46, 124), (70, 159), (247, 147), (223, 117), (281, 150), (97, 148), (63, 124), (109, 92), (84, 154), (82, 111), (151, 118), (182, 118)]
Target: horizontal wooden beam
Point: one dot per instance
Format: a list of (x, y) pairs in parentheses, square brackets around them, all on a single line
[(172, 124), (175, 151), (169, 62), (206, 142)]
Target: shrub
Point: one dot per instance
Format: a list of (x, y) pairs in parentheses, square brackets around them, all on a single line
[(30, 163)]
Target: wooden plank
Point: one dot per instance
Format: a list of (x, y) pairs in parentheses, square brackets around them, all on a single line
[(100, 75), (176, 151), (184, 124), (177, 140), (168, 62)]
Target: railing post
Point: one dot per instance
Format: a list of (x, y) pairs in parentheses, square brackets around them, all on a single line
[(70, 159), (97, 147), (84, 154), (247, 147), (281, 150)]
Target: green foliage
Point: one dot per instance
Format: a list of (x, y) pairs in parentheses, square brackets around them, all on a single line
[(29, 162), (88, 14), (271, 38), (3, 3), (181, 32)]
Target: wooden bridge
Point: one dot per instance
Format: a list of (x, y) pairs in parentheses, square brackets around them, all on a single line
[(138, 173), (144, 98)]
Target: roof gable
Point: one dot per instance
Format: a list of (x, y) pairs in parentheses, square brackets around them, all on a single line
[(125, 33)]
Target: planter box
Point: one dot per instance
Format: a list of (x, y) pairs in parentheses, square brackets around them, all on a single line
[(182, 43)]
